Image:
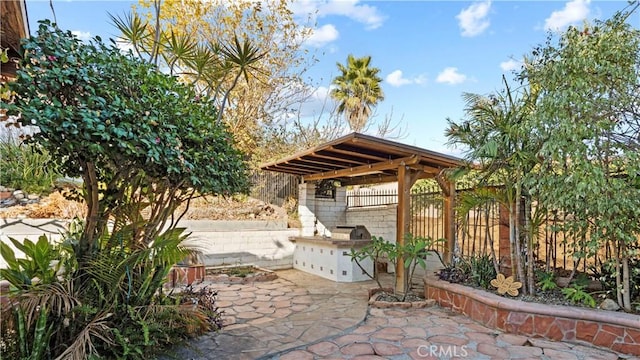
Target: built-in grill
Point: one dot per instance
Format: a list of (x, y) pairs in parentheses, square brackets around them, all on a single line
[(347, 232)]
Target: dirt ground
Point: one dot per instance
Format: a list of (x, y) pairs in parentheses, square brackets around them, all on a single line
[(55, 205)]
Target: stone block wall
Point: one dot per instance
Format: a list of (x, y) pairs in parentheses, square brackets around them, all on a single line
[(379, 220), (269, 249), (262, 243), (307, 208), (320, 216)]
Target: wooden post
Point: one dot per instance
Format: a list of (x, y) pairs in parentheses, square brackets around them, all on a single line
[(449, 221), (405, 182), (449, 190)]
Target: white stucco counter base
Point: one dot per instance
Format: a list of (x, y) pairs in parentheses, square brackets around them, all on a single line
[(330, 258)]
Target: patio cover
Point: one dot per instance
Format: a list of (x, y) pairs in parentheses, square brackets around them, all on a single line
[(14, 25), (358, 159)]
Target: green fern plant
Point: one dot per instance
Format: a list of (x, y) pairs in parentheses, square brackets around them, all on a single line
[(577, 295), (547, 280)]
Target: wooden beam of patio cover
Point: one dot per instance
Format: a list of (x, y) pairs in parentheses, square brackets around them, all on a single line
[(369, 179), (359, 170), (355, 153), (430, 170)]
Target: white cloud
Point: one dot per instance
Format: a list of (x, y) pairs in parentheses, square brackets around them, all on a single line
[(451, 76), (312, 102), (574, 11), (395, 79), (82, 35), (510, 65), (124, 46), (473, 20), (316, 104), (322, 35), (364, 14)]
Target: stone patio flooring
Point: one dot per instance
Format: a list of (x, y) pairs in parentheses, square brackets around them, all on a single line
[(302, 316)]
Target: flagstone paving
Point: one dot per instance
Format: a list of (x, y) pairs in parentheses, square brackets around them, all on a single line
[(435, 333), (302, 316)]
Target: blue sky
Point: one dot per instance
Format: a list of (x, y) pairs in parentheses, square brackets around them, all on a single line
[(429, 52)]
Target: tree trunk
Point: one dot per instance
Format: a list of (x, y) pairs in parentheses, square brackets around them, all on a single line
[(90, 233), (626, 297), (512, 241), (519, 265), (619, 288), (494, 259), (530, 234)]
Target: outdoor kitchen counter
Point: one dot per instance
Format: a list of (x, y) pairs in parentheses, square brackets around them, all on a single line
[(330, 258), (338, 243)]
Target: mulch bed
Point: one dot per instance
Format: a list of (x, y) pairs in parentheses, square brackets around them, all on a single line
[(239, 275)]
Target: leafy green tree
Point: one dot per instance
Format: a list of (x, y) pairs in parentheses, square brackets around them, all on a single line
[(143, 143), (588, 113), (131, 132), (358, 91)]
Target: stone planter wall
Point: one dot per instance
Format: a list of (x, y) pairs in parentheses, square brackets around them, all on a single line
[(186, 275), (614, 330)]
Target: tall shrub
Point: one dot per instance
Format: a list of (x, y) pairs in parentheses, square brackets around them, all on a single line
[(497, 133), (588, 113), (137, 137)]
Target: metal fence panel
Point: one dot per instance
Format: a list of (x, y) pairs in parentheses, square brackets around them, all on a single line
[(361, 197), (273, 187)]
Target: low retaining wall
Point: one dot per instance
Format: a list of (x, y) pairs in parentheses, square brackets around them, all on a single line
[(614, 330), (257, 243), (262, 243)]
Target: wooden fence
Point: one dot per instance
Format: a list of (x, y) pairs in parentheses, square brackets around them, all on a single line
[(478, 232)]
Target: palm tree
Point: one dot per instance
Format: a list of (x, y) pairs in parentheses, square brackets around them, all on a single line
[(358, 91), (498, 136)]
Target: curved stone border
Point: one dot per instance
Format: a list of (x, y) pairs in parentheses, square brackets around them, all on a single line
[(374, 303), (617, 331)]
